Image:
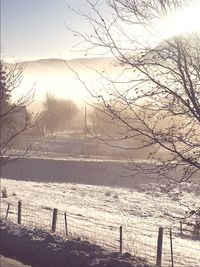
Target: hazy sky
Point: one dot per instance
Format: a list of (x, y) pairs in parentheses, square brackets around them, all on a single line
[(36, 28)]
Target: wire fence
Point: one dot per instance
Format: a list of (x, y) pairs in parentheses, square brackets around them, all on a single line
[(173, 249)]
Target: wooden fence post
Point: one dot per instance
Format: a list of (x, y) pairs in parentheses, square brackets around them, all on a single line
[(171, 246), (181, 227), (120, 239), (159, 247), (66, 230), (7, 210), (54, 220), (19, 218)]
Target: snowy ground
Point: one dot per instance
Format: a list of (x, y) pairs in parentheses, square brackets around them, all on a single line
[(7, 262), (96, 212)]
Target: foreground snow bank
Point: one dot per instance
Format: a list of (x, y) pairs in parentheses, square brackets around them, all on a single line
[(7, 262), (36, 246)]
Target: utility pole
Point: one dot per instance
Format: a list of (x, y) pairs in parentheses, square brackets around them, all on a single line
[(85, 130)]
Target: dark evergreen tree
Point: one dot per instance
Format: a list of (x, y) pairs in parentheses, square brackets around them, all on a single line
[(4, 89), (14, 120)]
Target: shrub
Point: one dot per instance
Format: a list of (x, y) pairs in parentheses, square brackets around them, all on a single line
[(4, 193)]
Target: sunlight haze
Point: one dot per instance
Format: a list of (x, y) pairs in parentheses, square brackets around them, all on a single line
[(184, 21)]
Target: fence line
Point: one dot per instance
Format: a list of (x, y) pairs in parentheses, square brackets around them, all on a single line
[(162, 249)]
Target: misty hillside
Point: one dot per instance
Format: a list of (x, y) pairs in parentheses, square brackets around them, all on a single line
[(55, 76), (54, 64)]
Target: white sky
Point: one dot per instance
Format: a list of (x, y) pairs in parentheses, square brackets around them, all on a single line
[(32, 29)]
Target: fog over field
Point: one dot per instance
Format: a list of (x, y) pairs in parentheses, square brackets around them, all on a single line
[(55, 76)]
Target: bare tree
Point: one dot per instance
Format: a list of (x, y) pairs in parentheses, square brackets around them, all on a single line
[(58, 113), (156, 97), (51, 116), (14, 119)]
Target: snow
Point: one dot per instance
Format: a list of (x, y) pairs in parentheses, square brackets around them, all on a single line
[(97, 211), (7, 262)]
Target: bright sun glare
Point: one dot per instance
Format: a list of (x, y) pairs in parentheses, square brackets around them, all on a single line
[(184, 21)]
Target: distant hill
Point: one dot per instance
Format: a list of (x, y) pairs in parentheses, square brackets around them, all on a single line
[(55, 76), (61, 64)]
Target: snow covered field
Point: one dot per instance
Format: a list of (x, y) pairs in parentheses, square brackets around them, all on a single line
[(97, 211)]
